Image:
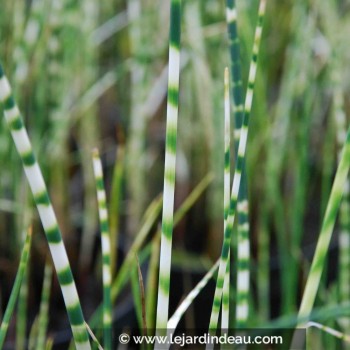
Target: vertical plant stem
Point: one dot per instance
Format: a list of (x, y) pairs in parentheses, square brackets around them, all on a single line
[(16, 287), (136, 141), (243, 262), (46, 212), (236, 70), (33, 335), (142, 296), (56, 123), (344, 235), (44, 308), (136, 293), (114, 208), (169, 168), (24, 50), (292, 86), (227, 180), (21, 324), (237, 175), (106, 249), (243, 244), (151, 285), (319, 259)]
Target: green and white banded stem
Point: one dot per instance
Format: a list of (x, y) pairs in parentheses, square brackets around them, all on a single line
[(46, 213), (236, 69), (243, 242), (238, 171), (106, 249), (169, 167), (243, 272), (227, 180)]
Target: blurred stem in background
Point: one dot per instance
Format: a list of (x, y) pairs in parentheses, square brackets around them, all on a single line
[(136, 161)]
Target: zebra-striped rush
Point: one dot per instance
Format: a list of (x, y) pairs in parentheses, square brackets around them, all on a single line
[(169, 167), (238, 171), (243, 243), (106, 249), (236, 70), (227, 180), (46, 213)]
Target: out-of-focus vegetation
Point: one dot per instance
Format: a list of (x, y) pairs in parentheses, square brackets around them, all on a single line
[(94, 74)]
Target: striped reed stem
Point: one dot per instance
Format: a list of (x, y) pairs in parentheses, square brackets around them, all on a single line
[(238, 173), (16, 287), (169, 167), (227, 180), (243, 244), (106, 249), (243, 258), (46, 213), (319, 259), (236, 70)]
